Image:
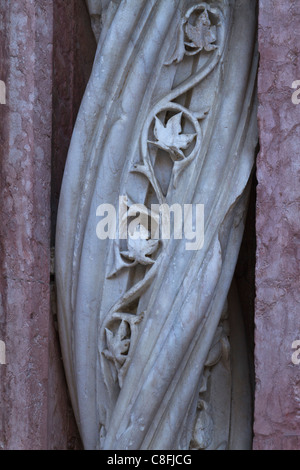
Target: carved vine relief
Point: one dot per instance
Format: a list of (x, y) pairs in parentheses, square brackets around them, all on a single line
[(168, 117)]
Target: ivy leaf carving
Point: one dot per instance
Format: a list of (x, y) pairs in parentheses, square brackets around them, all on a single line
[(170, 139), (203, 34), (117, 344), (140, 248)]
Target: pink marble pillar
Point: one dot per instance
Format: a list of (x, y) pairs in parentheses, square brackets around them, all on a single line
[(35, 129), (277, 403), (25, 153)]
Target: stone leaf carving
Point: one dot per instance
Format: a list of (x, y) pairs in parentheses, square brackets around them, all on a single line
[(117, 345), (202, 35), (169, 137), (196, 33), (140, 248), (137, 335)]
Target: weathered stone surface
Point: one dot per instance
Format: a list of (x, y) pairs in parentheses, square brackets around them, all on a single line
[(277, 409)]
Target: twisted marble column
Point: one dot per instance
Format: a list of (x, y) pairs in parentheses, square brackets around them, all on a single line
[(153, 350)]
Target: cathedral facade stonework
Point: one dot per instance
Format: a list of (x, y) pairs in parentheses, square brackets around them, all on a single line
[(49, 65)]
